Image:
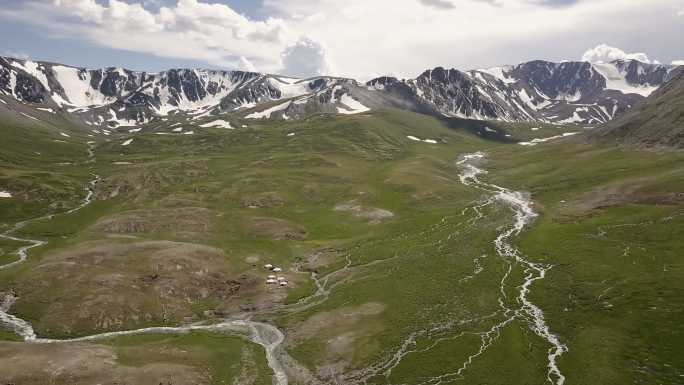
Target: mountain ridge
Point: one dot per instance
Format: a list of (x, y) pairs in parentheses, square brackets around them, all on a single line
[(656, 122), (536, 91)]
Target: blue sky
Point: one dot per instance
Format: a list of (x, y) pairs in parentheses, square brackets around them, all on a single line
[(357, 38)]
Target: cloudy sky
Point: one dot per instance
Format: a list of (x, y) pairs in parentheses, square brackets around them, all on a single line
[(355, 38)]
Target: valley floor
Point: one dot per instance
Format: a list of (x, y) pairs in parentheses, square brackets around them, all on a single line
[(415, 251)]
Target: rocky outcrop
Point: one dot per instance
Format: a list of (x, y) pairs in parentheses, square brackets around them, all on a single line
[(540, 91)]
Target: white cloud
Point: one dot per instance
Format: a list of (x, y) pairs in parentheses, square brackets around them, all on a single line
[(190, 29), (360, 37), (604, 53), (444, 4), (16, 55), (677, 63), (451, 4), (407, 36), (305, 58), (244, 64)]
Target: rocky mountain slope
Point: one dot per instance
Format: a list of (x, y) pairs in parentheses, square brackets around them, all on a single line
[(658, 121), (117, 97), (570, 92), (539, 91)]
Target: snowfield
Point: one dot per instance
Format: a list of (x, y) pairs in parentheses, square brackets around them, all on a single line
[(77, 89), (266, 114), (29, 116), (34, 69), (352, 105), (616, 80)]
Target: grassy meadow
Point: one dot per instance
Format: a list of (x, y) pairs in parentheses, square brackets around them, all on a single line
[(392, 273)]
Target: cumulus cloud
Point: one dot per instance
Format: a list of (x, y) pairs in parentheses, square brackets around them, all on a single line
[(244, 64), (360, 37), (604, 53), (305, 58), (406, 37), (188, 29)]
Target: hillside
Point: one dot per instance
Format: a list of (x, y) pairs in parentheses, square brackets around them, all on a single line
[(656, 122)]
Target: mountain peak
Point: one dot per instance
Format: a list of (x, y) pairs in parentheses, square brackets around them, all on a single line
[(539, 90)]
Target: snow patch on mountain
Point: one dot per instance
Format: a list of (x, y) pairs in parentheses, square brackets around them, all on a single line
[(34, 69), (217, 123), (266, 114), (616, 80), (116, 122), (289, 87), (537, 141), (77, 89), (351, 106), (536, 91), (29, 116), (575, 118), (499, 73)]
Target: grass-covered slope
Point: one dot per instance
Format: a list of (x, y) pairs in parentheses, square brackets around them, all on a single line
[(656, 122), (612, 224)]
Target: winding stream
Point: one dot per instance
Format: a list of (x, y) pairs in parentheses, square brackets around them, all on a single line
[(470, 170), (521, 205), (22, 252), (16, 324), (263, 334), (271, 338)]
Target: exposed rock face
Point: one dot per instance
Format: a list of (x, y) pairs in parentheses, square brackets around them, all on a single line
[(656, 122), (569, 92), (454, 92)]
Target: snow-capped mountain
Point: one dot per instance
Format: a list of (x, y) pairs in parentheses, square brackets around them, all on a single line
[(118, 97), (657, 122), (569, 92)]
